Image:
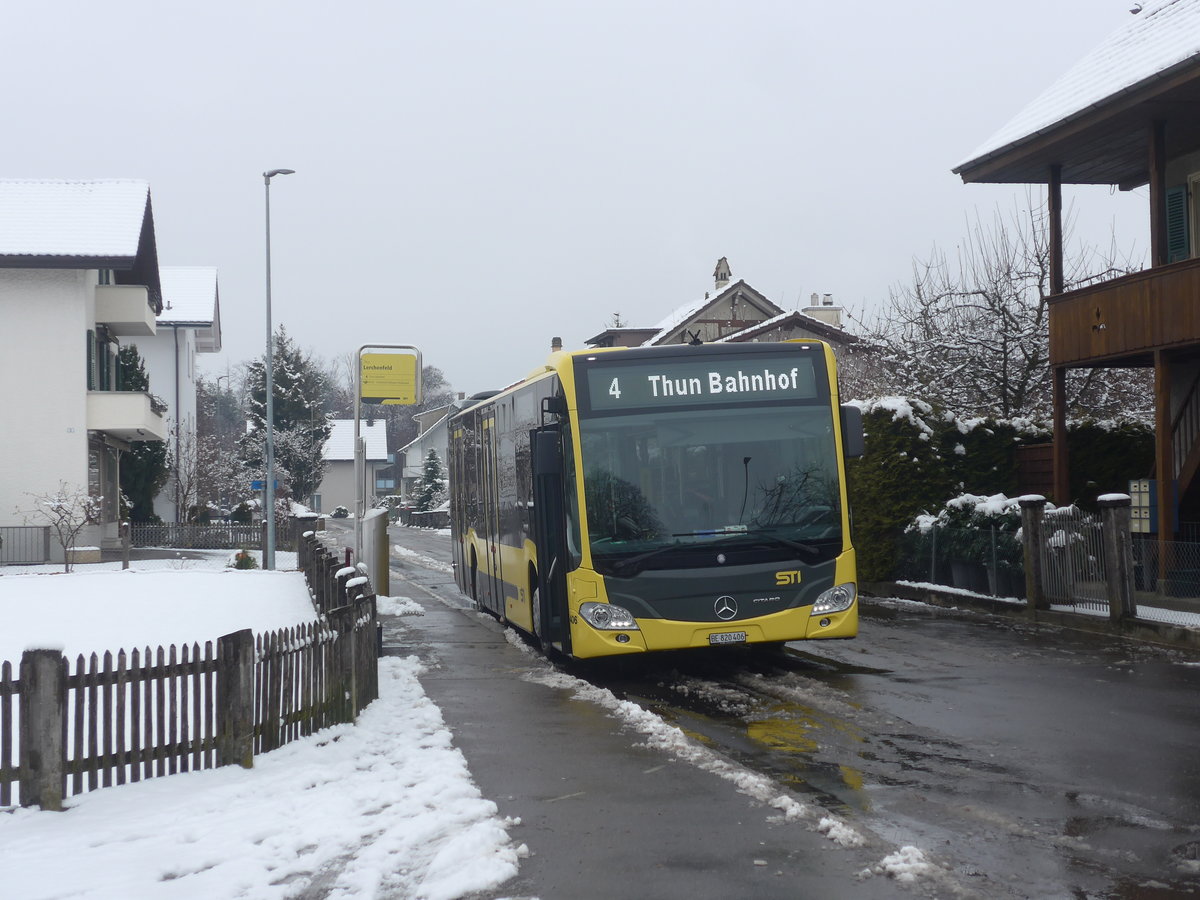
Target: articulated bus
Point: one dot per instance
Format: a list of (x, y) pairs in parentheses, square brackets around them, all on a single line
[(655, 498)]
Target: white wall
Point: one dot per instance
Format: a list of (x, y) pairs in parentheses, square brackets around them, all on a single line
[(43, 383), (337, 487), (436, 438), (168, 370)]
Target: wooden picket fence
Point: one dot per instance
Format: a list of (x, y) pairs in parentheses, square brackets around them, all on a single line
[(118, 718)]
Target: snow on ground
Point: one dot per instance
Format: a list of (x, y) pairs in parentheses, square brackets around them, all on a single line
[(421, 559), (124, 610), (385, 806)]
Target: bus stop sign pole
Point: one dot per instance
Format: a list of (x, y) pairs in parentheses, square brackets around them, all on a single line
[(394, 379)]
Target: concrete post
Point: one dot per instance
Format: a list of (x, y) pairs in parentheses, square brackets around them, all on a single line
[(235, 699), (1118, 556), (1033, 508), (375, 550), (43, 704), (126, 540)]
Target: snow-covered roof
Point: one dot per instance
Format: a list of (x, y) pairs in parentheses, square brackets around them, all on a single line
[(189, 295), (802, 320), (689, 310), (1163, 35), (340, 446), (57, 218)]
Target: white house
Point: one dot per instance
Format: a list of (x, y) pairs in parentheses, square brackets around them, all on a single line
[(78, 275), (337, 487), (433, 434), (190, 323)]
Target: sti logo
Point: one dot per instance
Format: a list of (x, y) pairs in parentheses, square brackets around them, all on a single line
[(782, 579)]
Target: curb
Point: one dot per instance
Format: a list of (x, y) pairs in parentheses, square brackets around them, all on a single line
[(1161, 634)]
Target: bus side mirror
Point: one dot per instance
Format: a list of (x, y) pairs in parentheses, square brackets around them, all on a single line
[(547, 451), (553, 406), (854, 442)]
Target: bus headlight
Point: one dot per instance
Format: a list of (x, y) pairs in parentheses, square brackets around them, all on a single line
[(836, 599), (607, 617)]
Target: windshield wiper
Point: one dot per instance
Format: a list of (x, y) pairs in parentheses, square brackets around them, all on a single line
[(774, 538), (631, 565)]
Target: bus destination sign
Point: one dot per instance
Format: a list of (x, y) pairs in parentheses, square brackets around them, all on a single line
[(733, 380)]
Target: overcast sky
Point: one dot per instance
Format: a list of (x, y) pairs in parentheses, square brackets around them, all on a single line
[(475, 178)]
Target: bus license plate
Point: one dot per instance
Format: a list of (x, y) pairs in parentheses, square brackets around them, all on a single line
[(728, 637)]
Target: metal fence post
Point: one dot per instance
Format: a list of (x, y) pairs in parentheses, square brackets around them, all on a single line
[(1118, 556), (43, 705), (1033, 508), (235, 699), (125, 541), (933, 554)]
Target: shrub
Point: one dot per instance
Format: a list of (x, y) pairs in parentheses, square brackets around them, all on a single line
[(244, 560)]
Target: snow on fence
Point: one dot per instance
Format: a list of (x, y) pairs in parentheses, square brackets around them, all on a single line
[(69, 728)]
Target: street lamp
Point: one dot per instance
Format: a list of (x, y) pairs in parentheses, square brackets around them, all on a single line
[(269, 483)]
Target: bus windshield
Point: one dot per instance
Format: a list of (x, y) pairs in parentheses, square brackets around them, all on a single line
[(710, 478)]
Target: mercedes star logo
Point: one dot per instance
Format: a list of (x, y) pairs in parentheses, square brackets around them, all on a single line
[(725, 608)]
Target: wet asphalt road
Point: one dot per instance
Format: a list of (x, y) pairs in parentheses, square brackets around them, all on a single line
[(1028, 762)]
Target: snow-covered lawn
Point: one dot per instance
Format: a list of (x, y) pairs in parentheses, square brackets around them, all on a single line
[(85, 612), (385, 806)]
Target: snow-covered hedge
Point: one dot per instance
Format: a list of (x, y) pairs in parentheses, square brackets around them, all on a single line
[(917, 458)]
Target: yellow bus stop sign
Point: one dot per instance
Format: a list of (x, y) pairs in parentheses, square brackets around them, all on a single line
[(390, 378)]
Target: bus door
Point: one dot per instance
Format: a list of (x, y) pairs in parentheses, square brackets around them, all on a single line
[(491, 593), (550, 537)]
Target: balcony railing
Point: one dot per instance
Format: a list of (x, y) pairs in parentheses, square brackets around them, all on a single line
[(126, 415), (125, 309), (1127, 318)]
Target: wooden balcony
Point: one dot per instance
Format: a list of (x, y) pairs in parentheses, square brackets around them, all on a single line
[(1121, 322)]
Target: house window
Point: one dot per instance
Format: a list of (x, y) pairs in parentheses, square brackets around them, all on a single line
[(1193, 185), (316, 502)]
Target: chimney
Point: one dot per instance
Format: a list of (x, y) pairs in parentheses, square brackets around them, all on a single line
[(721, 273), (822, 309), (555, 344)]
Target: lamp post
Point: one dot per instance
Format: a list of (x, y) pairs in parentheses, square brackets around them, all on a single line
[(269, 482)]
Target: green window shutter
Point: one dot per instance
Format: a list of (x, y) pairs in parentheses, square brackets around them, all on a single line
[(91, 360), (1178, 245)]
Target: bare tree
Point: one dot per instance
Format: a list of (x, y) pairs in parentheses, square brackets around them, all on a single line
[(67, 511), (971, 332)]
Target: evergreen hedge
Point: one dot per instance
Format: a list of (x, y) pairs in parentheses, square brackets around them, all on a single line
[(918, 458)]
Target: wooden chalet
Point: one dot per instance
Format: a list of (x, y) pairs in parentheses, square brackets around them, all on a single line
[(1126, 115), (733, 311)]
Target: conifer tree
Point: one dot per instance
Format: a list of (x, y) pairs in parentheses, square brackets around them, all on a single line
[(432, 489), (301, 428)]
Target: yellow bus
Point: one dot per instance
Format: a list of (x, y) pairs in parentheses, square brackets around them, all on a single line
[(628, 500)]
